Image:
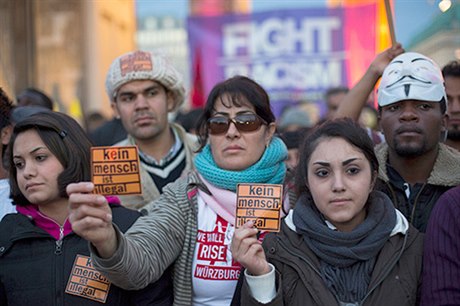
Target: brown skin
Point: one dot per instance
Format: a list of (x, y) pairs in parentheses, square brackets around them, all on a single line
[(412, 131), (452, 84)]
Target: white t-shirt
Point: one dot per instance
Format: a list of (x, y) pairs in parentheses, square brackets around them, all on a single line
[(215, 274), (6, 206)]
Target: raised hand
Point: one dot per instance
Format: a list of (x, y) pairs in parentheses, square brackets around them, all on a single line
[(248, 251), (382, 59), (91, 218)]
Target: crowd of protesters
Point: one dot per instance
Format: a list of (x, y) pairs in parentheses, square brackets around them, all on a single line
[(369, 215)]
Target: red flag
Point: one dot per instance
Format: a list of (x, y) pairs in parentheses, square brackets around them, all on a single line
[(198, 98)]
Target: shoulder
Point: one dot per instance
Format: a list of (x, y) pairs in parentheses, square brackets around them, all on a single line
[(189, 140), (177, 196), (12, 225)]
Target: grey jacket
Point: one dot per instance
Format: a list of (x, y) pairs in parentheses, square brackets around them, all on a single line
[(149, 190), (167, 235)]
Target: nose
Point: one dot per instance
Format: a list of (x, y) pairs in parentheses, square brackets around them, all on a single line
[(29, 170), (141, 101), (454, 104), (408, 113), (338, 183), (232, 131)]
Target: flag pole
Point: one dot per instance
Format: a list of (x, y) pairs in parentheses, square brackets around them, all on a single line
[(390, 22)]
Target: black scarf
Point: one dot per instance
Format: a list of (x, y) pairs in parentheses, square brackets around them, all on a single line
[(347, 258)]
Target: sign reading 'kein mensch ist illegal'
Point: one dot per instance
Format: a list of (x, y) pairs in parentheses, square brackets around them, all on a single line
[(115, 170), (260, 203)]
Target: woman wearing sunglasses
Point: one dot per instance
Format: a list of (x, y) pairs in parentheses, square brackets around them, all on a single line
[(191, 225)]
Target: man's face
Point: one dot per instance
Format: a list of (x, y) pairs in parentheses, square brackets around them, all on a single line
[(333, 102), (412, 127), (452, 84), (143, 108)]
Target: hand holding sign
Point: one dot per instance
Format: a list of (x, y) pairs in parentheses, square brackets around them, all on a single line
[(248, 251), (91, 217)]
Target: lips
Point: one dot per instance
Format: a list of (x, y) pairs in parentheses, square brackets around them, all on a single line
[(233, 148), (454, 121), (32, 185), (143, 119), (408, 130), (339, 200)]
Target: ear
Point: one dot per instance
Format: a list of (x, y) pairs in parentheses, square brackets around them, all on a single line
[(114, 107), (444, 122), (5, 134), (269, 132), (170, 100)]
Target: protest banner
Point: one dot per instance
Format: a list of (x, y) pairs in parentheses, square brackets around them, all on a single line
[(294, 54)]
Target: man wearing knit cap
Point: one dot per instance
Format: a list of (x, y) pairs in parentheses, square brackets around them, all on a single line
[(143, 88)]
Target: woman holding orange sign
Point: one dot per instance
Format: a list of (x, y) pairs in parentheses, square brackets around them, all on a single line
[(191, 225), (343, 243)]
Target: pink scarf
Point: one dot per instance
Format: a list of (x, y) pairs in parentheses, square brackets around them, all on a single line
[(221, 201)]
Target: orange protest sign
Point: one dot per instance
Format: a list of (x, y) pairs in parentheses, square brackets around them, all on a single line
[(115, 170), (260, 203), (87, 282)]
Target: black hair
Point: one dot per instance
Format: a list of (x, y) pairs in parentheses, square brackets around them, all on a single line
[(6, 106), (451, 69), (344, 128), (236, 87), (33, 96), (66, 140)]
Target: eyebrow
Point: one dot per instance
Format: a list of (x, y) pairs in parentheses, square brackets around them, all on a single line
[(130, 92), (344, 163), (33, 151), (238, 113)]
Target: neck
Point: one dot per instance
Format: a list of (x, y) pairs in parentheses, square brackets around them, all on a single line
[(414, 169), (157, 147), (453, 143), (57, 210)]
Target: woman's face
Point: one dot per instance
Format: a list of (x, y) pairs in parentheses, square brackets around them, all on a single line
[(37, 168), (237, 150), (340, 180)]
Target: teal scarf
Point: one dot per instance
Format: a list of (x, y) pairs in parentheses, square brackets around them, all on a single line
[(269, 169)]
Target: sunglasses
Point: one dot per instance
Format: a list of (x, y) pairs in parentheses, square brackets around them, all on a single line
[(243, 122)]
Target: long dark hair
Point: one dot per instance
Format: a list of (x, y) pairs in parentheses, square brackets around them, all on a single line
[(66, 139)]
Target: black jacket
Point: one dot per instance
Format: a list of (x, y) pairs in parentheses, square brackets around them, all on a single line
[(445, 175), (34, 271)]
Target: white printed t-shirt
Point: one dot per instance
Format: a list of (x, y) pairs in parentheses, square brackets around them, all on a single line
[(215, 274)]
